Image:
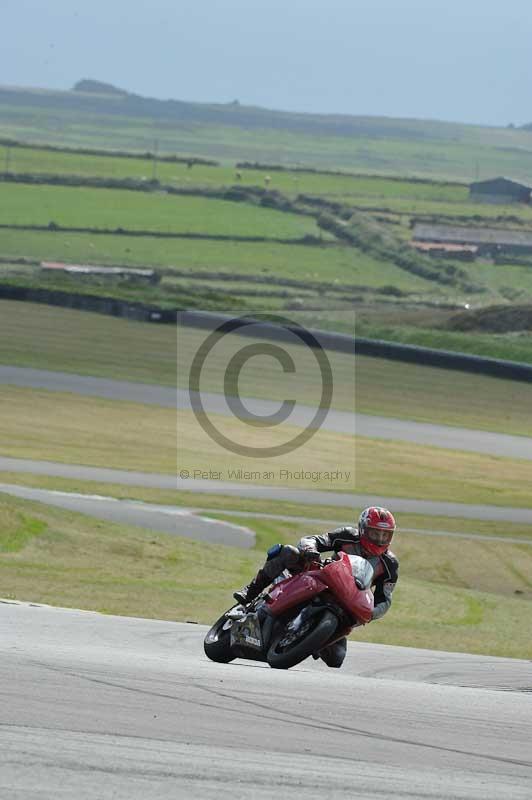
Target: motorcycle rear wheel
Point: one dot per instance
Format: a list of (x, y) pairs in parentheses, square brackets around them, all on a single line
[(280, 657), (217, 642)]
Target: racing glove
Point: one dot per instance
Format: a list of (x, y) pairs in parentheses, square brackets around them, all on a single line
[(308, 554)]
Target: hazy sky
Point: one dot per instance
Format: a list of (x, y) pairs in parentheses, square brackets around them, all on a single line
[(462, 60)]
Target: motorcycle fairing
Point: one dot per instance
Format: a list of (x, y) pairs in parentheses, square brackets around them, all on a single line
[(337, 576), (294, 591), (247, 632)]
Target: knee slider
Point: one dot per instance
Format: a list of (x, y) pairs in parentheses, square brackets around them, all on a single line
[(291, 556)]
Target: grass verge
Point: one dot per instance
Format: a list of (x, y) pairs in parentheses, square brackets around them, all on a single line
[(442, 396), (64, 340), (401, 469), (73, 429)]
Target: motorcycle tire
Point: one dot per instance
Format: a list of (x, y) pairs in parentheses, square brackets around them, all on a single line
[(280, 657), (217, 642)]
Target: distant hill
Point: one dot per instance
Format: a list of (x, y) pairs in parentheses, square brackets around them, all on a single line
[(97, 87), (97, 97), (95, 114)]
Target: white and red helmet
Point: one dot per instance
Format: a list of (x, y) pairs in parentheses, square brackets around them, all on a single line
[(376, 526)]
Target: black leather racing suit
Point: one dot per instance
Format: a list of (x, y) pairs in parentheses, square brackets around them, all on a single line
[(386, 568)]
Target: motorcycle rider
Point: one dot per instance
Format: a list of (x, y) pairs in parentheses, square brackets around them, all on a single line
[(371, 540)]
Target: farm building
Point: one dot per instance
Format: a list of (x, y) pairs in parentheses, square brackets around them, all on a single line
[(499, 190), (465, 252), (488, 241)]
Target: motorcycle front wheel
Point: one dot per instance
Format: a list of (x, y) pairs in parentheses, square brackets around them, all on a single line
[(287, 650), (217, 642)]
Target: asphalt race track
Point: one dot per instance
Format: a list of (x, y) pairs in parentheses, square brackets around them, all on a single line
[(109, 707), (256, 491), (195, 523), (166, 519), (252, 490), (446, 436), (96, 706)]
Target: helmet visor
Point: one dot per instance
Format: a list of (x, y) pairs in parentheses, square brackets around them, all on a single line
[(379, 536)]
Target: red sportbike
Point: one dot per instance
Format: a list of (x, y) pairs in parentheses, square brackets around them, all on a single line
[(299, 616)]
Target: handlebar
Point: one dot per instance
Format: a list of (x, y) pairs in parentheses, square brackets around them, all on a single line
[(317, 563)]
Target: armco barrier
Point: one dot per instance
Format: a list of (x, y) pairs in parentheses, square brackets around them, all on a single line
[(86, 302), (424, 356), (329, 341), (268, 330)]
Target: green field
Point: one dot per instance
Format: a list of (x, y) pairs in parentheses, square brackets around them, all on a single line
[(398, 195), (401, 196), (52, 556), (267, 260), (242, 274), (323, 279), (419, 207), (290, 182), (374, 193), (82, 207), (190, 269)]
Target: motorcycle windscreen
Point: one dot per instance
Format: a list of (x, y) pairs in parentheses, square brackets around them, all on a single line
[(294, 591), (362, 571), (339, 578)]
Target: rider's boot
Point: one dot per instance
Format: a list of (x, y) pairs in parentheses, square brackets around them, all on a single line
[(248, 593), (334, 654)]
